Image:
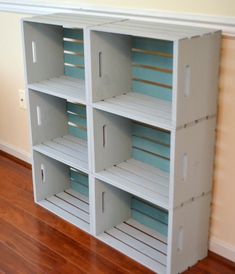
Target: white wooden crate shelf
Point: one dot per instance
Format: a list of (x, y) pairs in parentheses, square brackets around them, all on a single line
[(65, 87), (140, 243), (66, 149), (62, 189), (139, 107), (132, 225), (71, 206), (122, 125), (140, 179)]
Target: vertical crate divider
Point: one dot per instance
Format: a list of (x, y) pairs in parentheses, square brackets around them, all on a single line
[(122, 116)]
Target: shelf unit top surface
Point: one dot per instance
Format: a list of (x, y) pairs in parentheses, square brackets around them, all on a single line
[(141, 108), (139, 179), (71, 20), (65, 87), (169, 32)]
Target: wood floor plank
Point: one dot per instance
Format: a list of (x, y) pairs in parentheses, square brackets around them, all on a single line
[(11, 194), (69, 249), (33, 252), (12, 263), (15, 174), (214, 267), (37, 241)]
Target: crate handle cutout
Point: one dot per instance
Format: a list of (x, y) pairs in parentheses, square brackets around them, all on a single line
[(180, 239), (187, 80), (39, 118), (34, 52), (100, 64), (43, 173), (102, 201), (104, 135), (184, 166)]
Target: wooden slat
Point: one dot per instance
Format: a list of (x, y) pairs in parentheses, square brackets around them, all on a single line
[(68, 207), (161, 31), (78, 41), (152, 83), (151, 172), (146, 230), (138, 245), (74, 66), (77, 195), (73, 53), (129, 176), (72, 145), (152, 52), (75, 140), (134, 109), (152, 68), (63, 88), (65, 215), (143, 237), (74, 201), (154, 193), (72, 20), (77, 126), (142, 173), (60, 147), (79, 161), (134, 254)]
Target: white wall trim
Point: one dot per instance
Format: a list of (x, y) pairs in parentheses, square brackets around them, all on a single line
[(222, 248), (226, 24), (15, 151)]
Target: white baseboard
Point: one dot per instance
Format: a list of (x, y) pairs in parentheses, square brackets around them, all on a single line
[(222, 248), (16, 152)]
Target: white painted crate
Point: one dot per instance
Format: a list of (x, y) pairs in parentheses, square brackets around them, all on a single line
[(57, 130), (194, 53), (58, 190)]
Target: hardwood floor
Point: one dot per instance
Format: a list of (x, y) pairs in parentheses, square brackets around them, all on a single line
[(32, 240)]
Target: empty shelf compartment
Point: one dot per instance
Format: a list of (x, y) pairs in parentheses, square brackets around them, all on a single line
[(55, 60), (138, 82), (62, 190), (133, 156), (60, 129), (133, 226)]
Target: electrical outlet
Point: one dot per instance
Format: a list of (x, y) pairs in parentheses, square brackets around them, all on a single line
[(22, 101)]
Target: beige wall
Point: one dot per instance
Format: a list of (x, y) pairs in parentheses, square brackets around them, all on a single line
[(14, 125), (13, 120), (223, 214), (214, 7)]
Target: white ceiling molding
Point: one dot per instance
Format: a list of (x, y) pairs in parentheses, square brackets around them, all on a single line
[(226, 24)]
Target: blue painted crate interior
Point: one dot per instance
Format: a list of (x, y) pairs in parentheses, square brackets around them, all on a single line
[(152, 66), (73, 53), (79, 182), (151, 145), (77, 124), (149, 215)]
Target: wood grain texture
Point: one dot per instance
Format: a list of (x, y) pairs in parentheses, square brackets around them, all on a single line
[(33, 240), (223, 217)]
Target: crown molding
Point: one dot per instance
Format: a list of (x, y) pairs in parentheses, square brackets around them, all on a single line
[(226, 24)]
